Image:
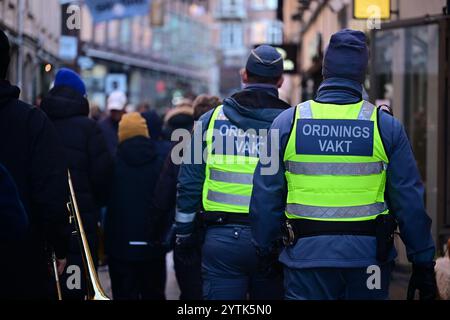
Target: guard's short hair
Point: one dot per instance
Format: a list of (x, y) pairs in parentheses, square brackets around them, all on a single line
[(253, 78), (4, 54)]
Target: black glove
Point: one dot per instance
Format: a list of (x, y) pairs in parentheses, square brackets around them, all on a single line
[(186, 249), (424, 280), (268, 264), (168, 242)]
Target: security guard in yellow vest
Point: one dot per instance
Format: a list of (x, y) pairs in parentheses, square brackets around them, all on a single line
[(347, 177), (220, 185)]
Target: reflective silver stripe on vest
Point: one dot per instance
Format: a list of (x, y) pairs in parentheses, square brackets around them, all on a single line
[(334, 169), (305, 110), (366, 111), (231, 177), (221, 115), (336, 212), (226, 198)]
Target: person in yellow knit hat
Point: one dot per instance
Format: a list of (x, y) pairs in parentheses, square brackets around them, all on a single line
[(132, 125), (136, 260)]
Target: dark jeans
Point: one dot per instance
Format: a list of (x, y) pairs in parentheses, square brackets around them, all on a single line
[(230, 267), (138, 280)]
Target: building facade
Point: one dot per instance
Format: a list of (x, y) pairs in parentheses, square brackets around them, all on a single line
[(241, 25), (28, 26), (153, 63)]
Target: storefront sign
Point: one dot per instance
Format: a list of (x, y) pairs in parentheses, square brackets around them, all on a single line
[(371, 9), (68, 48), (103, 10)]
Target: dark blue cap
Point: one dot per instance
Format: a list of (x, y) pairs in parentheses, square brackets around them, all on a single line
[(265, 61), (347, 56), (69, 78)]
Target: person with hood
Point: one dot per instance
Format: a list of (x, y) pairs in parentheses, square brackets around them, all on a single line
[(136, 259), (13, 218), (220, 186), (187, 272), (179, 117), (89, 161), (33, 154), (155, 124), (116, 105), (347, 176)]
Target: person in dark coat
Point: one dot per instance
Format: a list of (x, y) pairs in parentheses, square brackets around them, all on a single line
[(89, 161), (136, 261), (187, 271), (32, 152), (15, 223), (13, 218), (116, 104), (155, 128)]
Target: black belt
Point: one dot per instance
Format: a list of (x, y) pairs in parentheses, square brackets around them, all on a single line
[(303, 228), (215, 218)]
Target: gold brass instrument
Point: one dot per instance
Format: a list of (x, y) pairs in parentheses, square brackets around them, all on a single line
[(94, 289)]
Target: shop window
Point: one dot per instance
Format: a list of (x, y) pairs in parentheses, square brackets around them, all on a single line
[(232, 35), (406, 76), (125, 32), (264, 4), (275, 32), (267, 31), (231, 8)]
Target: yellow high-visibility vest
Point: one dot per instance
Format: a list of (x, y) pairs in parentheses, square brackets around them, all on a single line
[(229, 173), (335, 163)]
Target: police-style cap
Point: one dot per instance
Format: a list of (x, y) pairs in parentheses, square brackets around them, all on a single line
[(265, 61)]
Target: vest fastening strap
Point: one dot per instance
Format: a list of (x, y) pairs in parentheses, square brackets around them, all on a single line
[(226, 198), (366, 111), (305, 110), (231, 177), (336, 212), (335, 169)]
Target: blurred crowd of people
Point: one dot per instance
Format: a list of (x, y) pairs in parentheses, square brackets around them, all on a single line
[(124, 181)]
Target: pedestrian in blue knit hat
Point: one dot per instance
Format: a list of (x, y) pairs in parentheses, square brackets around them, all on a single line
[(69, 78), (88, 159)]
